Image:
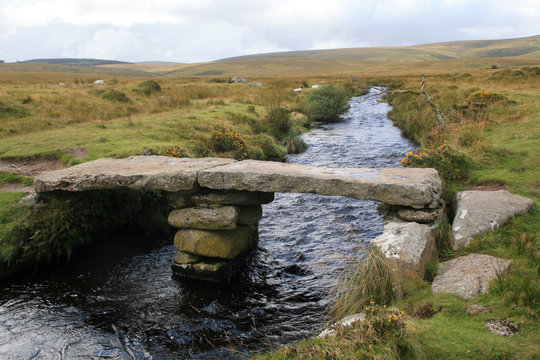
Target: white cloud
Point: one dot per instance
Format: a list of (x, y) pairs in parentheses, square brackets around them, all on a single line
[(187, 30)]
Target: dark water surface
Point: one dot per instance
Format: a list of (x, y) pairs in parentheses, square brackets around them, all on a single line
[(120, 302)]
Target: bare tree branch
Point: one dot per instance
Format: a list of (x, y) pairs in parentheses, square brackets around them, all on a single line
[(427, 99), (422, 93)]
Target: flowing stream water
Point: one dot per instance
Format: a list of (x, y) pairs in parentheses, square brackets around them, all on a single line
[(119, 301)]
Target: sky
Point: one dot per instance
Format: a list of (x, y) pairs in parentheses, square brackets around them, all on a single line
[(191, 31)]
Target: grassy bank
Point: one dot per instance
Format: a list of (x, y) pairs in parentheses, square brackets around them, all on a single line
[(491, 140)]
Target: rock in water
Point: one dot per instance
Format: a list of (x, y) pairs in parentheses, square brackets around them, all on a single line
[(223, 244)]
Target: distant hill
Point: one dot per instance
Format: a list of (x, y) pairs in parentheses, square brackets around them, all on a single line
[(375, 59), (449, 56), (78, 62), (439, 51)]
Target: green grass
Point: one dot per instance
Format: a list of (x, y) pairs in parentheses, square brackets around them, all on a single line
[(10, 216), (10, 178)]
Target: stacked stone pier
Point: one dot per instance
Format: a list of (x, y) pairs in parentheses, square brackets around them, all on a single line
[(217, 230), (216, 203)]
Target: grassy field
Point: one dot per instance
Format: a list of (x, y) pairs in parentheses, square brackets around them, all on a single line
[(490, 101)]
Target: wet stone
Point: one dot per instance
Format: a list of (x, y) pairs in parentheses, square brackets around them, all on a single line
[(216, 271), (206, 218), (185, 258), (223, 244)]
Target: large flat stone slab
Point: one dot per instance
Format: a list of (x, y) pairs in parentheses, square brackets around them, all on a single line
[(479, 212), (468, 276), (410, 245), (412, 187), (136, 172)]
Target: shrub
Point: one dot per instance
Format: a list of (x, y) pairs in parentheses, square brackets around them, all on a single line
[(115, 95), (225, 139), (450, 163), (485, 97), (149, 86), (278, 122), (326, 104), (294, 144), (270, 149)]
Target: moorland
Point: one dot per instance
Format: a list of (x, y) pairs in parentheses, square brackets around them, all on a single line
[(52, 116)]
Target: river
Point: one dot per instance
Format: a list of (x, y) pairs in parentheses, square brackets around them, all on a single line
[(119, 301)]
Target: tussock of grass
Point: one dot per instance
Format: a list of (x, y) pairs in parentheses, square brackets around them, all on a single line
[(373, 279), (384, 334)]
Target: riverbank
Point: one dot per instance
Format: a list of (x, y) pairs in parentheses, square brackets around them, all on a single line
[(492, 124)]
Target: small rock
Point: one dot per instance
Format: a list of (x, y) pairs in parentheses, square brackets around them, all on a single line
[(346, 321), (468, 276), (185, 258), (419, 216), (478, 212), (238, 79), (30, 201), (475, 309), (502, 327)]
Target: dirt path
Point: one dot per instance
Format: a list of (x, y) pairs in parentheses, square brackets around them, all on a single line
[(35, 166), (30, 167), (16, 188)]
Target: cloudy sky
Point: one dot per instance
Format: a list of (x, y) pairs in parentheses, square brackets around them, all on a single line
[(204, 30)]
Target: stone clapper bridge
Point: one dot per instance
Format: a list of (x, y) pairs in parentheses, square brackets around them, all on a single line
[(217, 201)]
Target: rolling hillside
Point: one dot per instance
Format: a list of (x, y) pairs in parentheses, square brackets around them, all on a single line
[(455, 55)]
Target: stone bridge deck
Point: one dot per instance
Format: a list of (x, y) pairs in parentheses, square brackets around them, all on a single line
[(412, 187), (217, 202)]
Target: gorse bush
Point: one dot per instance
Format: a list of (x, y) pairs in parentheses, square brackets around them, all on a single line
[(225, 139), (485, 97), (175, 151), (450, 163), (327, 103)]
